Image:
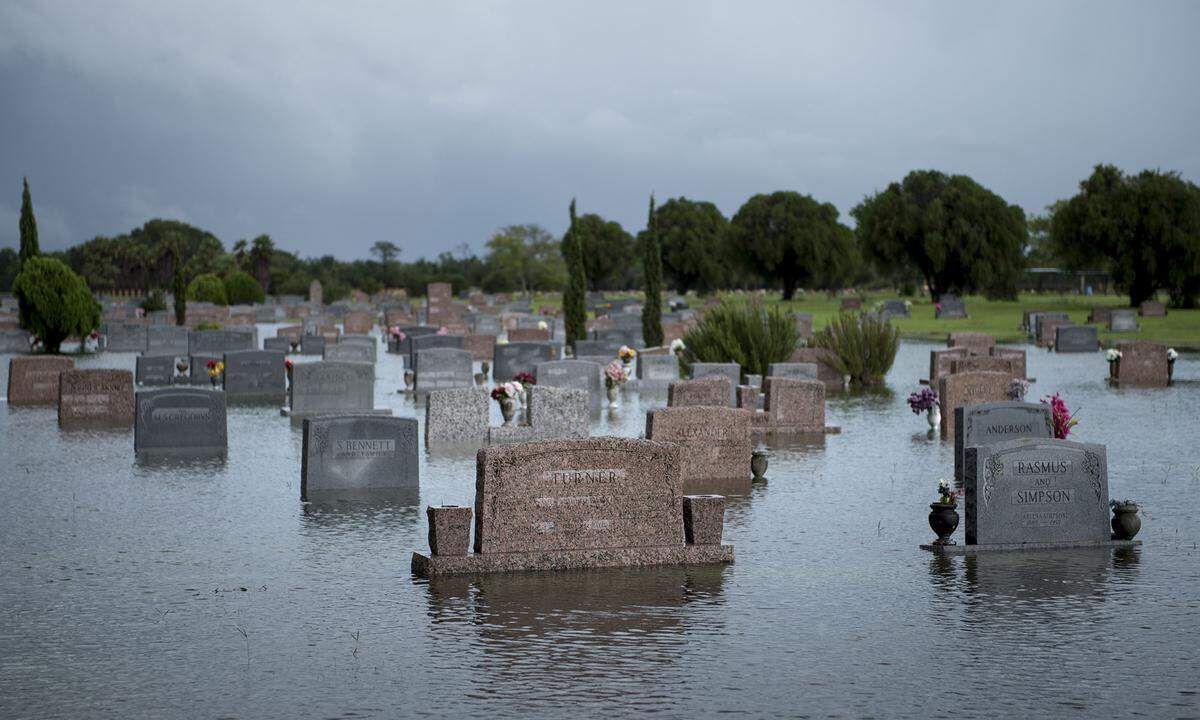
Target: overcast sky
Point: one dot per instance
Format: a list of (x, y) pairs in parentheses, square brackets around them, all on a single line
[(432, 124)]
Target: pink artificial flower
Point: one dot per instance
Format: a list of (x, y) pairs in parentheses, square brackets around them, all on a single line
[(443, 331)]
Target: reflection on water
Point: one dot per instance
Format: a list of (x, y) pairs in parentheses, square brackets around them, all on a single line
[(121, 582)]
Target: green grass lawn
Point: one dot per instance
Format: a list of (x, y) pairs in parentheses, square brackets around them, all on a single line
[(1180, 329)]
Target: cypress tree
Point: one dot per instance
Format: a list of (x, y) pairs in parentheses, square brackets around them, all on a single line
[(179, 288), (574, 299), (652, 332), (29, 238)]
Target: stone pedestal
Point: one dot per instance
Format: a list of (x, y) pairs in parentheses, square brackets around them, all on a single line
[(449, 529), (703, 519)]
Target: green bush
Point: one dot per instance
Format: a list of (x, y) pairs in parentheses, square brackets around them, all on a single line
[(865, 346), (744, 333), (206, 325), (154, 302), (207, 288), (55, 303), (242, 289)]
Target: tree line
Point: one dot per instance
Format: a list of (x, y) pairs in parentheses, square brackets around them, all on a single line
[(943, 232)]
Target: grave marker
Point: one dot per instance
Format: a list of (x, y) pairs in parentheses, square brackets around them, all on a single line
[(968, 388), (1076, 339), (167, 340), (180, 421), (33, 380), (992, 422), (715, 440), (359, 452), (95, 398), (255, 376), (155, 369), (443, 369), (733, 371), (457, 417)]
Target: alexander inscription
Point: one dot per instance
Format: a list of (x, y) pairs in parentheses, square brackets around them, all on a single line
[(705, 432)]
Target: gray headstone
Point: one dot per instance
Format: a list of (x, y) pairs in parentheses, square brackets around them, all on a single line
[(486, 325), (255, 376), (894, 308), (125, 336), (277, 344), (1076, 339), (348, 352), (457, 417), (795, 371), (1036, 318), (14, 341), (443, 368), (155, 370), (577, 374), (1036, 491), (367, 341), (359, 452), (733, 371), (219, 342), (167, 340), (1124, 320), (658, 367), (429, 342), (993, 422), (331, 388), (951, 309), (180, 420), (513, 358), (597, 348), (312, 345)]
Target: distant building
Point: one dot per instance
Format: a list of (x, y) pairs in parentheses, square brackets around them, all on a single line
[(1054, 280)]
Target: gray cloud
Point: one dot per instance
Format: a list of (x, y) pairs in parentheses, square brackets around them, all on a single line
[(432, 124)]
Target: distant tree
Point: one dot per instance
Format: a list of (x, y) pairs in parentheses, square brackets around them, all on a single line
[(10, 265), (1145, 228), (575, 294), (240, 256), (961, 236), (179, 289), (261, 252), (242, 289), (55, 303), (524, 258), (28, 224), (692, 236), (386, 251), (794, 240), (1040, 250), (652, 331), (608, 253), (207, 287)]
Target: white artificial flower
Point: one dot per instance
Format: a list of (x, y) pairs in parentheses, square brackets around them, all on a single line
[(1171, 354), (542, 325), (677, 345), (1112, 355)]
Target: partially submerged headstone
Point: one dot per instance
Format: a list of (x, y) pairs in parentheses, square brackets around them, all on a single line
[(125, 336), (733, 371), (218, 342), (969, 388), (1123, 320), (33, 380), (95, 398), (661, 368), (534, 334), (358, 322), (793, 370), (347, 352), (1036, 493), (167, 340), (554, 414), (180, 421), (349, 453), (255, 376), (826, 361), (978, 363), (514, 358), (992, 422), (941, 362), (1143, 363), (457, 417), (585, 503), (715, 440), (792, 406), (976, 343), (332, 388), (1016, 357), (712, 391), (577, 374), (312, 345), (13, 340), (443, 369), (1076, 339), (155, 369)]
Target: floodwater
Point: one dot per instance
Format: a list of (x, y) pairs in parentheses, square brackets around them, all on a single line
[(209, 590)]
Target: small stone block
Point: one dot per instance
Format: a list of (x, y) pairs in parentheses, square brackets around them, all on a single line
[(703, 519), (449, 529)]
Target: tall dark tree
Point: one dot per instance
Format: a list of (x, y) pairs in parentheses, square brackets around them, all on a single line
[(261, 251), (29, 235), (961, 236), (575, 294), (692, 235), (179, 288), (608, 253), (794, 240), (1144, 228), (652, 332)]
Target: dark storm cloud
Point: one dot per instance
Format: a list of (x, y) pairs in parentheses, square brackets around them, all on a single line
[(432, 124)]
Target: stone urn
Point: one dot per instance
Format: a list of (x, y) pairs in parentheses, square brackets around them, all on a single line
[(1170, 370), (943, 520), (449, 529), (409, 376), (758, 464), (1125, 521), (508, 409), (934, 416), (485, 366), (182, 367), (480, 378), (1114, 369), (613, 392)]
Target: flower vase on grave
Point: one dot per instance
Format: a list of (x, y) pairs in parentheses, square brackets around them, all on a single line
[(934, 416), (480, 378), (613, 393), (508, 408), (943, 520), (1125, 521), (409, 375)]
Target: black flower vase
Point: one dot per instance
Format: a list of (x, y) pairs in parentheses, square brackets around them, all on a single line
[(943, 520)]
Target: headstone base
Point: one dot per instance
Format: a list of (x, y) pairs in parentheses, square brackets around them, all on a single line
[(480, 564), (1008, 547)]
